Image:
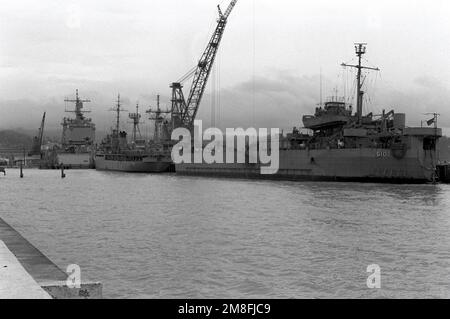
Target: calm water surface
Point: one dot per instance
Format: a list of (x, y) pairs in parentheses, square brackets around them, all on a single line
[(166, 236)]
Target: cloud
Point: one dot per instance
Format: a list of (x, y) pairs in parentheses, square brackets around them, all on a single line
[(427, 95), (277, 100), (281, 101), (47, 50)]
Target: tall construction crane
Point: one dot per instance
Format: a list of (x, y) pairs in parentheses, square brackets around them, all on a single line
[(37, 141), (184, 111)]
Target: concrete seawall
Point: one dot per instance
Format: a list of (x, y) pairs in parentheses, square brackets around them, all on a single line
[(26, 273)]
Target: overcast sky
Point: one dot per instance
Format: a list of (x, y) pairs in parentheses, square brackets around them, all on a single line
[(267, 71)]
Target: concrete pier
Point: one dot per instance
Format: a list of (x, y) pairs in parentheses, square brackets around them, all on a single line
[(15, 282), (30, 274)]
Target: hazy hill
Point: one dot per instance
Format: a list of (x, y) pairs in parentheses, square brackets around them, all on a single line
[(10, 138)]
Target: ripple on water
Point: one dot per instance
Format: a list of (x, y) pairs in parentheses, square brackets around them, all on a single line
[(156, 236)]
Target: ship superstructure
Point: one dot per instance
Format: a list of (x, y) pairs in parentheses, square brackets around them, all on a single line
[(116, 153), (78, 137), (78, 131)]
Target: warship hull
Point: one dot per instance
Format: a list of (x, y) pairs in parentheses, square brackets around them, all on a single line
[(444, 173), (75, 160), (104, 164), (358, 165)]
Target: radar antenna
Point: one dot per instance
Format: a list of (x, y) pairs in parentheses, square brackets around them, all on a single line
[(78, 106)]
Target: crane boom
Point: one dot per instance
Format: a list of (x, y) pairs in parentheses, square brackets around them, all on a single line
[(41, 130), (37, 141), (230, 8), (184, 111)]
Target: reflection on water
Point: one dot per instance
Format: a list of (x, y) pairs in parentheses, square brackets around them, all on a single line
[(170, 236)]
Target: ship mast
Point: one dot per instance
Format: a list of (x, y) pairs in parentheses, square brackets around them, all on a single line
[(136, 117), (78, 106), (158, 118), (360, 51), (118, 109), (116, 133)]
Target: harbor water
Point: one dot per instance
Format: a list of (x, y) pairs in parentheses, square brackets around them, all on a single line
[(169, 236)]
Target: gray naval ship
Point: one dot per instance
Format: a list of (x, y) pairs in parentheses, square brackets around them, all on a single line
[(342, 145), (77, 142), (115, 153)]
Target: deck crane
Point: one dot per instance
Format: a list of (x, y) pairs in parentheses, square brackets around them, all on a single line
[(184, 111)]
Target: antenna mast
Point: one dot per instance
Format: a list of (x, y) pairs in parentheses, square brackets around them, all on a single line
[(360, 51), (78, 106), (321, 87), (136, 117), (159, 119), (116, 133), (118, 108)]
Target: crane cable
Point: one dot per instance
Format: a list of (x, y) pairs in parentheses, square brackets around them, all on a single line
[(254, 65), (188, 75)]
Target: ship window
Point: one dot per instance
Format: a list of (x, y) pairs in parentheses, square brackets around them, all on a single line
[(429, 144)]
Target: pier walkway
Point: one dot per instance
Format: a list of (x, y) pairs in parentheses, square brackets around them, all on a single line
[(15, 282), (30, 274)]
